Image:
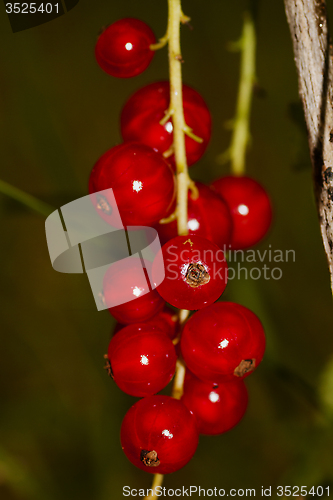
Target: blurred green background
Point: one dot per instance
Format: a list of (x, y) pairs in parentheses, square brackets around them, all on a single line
[(59, 413)]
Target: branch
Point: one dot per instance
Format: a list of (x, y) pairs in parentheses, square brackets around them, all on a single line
[(26, 199), (313, 57), (177, 112), (241, 123)]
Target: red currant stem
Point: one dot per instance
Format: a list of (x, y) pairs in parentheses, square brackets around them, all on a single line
[(161, 43), (167, 114), (171, 218), (178, 383), (157, 481), (26, 199), (169, 152), (194, 191), (183, 315), (184, 182), (176, 110), (194, 196), (188, 131), (177, 388), (241, 123), (183, 18)]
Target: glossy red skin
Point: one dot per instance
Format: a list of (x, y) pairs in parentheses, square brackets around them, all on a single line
[(178, 253), (118, 281), (165, 320), (143, 360), (207, 329), (144, 110), (112, 55), (248, 229), (143, 426), (142, 182), (209, 212), (217, 408)]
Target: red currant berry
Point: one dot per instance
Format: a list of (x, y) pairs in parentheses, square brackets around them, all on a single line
[(223, 341), (195, 272), (141, 116), (216, 407), (122, 49), (142, 360), (250, 209), (142, 182), (127, 294), (208, 217), (165, 320), (159, 434)]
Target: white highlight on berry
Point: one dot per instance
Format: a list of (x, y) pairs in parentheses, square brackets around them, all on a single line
[(223, 344), (167, 433), (137, 291), (169, 127), (243, 209), (137, 186), (184, 269), (144, 360), (193, 224), (128, 46), (213, 397)]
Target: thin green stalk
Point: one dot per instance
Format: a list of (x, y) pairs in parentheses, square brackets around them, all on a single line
[(241, 124), (26, 199)]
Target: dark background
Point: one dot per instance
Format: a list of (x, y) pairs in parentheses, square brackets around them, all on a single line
[(59, 413)]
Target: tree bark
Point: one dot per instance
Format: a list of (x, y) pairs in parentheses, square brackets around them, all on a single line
[(314, 62)]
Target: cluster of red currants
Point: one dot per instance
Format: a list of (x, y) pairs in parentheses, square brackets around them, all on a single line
[(222, 342)]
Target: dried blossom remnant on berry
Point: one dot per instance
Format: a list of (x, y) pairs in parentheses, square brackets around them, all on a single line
[(103, 205), (245, 366), (102, 298), (196, 275), (102, 29), (149, 458), (107, 366)]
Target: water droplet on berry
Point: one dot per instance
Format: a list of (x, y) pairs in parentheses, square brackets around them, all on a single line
[(137, 291), (213, 397), (243, 209), (193, 224), (137, 186), (169, 127), (144, 360), (167, 433)]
